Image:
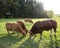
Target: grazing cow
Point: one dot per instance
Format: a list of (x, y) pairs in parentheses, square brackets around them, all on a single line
[(40, 26), (14, 27), (22, 25), (28, 20)]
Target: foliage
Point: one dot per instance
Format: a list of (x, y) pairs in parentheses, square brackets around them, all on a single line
[(50, 13), (21, 8)]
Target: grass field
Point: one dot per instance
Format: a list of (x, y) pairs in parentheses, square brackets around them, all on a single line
[(13, 41)]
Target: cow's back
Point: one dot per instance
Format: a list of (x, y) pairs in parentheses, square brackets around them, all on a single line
[(9, 26), (37, 27)]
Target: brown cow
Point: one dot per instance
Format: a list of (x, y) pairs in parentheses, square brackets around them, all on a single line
[(40, 26), (22, 25), (14, 27), (28, 20)]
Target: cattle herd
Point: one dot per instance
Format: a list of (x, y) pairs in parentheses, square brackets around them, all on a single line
[(37, 27)]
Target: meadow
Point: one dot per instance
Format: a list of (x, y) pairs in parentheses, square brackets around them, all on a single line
[(13, 41)]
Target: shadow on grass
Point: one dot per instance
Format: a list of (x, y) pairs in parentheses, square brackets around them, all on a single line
[(54, 43), (30, 43), (7, 41)]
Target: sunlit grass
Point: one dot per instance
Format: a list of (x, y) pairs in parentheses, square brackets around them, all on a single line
[(13, 41)]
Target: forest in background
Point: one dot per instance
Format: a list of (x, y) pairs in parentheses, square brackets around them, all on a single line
[(23, 9)]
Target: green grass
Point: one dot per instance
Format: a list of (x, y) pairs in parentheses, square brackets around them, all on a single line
[(13, 41)]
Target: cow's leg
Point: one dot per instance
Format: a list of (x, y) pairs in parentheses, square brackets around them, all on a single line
[(55, 33), (35, 35), (50, 33), (41, 35), (17, 34), (8, 32)]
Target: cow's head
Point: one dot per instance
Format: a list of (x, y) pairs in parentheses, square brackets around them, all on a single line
[(31, 34), (23, 33)]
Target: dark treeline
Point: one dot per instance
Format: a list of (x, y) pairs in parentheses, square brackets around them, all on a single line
[(22, 9)]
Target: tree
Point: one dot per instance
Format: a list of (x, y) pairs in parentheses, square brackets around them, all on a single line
[(50, 13), (21, 8)]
